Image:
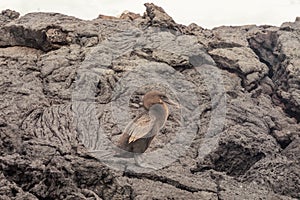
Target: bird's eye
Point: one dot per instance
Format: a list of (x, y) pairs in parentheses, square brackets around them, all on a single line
[(163, 97)]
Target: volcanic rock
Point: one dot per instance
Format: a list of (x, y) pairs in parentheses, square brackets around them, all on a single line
[(69, 87)]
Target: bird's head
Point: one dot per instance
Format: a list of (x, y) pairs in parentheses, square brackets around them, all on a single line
[(156, 97)]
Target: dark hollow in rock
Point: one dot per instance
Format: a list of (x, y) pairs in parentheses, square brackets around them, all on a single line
[(232, 159)]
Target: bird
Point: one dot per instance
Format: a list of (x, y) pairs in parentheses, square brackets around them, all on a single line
[(139, 133)]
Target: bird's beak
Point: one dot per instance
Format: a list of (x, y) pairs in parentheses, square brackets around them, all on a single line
[(169, 101)]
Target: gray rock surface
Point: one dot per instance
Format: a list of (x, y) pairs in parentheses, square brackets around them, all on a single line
[(69, 87)]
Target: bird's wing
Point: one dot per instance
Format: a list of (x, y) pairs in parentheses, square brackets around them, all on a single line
[(139, 127)]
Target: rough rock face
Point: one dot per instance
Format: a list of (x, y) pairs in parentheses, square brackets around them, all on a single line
[(68, 87)]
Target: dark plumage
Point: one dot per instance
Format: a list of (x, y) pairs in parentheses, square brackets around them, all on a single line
[(139, 133)]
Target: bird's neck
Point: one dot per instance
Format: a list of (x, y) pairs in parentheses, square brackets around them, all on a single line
[(160, 112)]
